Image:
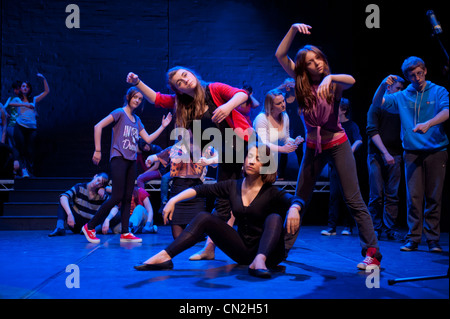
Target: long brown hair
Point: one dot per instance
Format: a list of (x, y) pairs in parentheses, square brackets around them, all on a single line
[(187, 108), (303, 88)]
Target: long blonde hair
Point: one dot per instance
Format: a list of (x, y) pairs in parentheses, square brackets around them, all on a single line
[(303, 88), (187, 108), (268, 102)]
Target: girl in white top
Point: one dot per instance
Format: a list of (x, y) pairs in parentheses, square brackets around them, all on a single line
[(272, 126)]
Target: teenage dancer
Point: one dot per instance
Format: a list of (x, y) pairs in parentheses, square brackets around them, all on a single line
[(213, 105), (259, 209), (126, 131), (318, 93)]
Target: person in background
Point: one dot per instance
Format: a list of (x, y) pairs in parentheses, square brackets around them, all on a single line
[(251, 103), (79, 204), (140, 215), (354, 136), (423, 107), (384, 162), (25, 130), (11, 114), (272, 126), (296, 121), (185, 174)]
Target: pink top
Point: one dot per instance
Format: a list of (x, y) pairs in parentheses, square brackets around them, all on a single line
[(323, 116)]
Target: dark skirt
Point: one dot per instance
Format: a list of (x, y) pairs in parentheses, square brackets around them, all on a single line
[(185, 211)]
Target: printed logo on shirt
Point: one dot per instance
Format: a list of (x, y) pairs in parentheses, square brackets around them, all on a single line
[(130, 138)]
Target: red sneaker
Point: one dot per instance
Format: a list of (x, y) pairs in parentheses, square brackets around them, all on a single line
[(369, 262), (90, 235), (129, 238)]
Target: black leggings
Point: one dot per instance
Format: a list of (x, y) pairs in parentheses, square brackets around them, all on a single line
[(25, 139), (123, 177), (271, 243)]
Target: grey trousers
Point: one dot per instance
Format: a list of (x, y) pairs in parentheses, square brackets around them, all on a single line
[(384, 181), (344, 162), (425, 175)]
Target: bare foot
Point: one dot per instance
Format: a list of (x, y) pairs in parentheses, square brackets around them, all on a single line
[(204, 254)]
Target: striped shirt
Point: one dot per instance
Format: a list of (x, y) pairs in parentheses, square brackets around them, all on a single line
[(81, 203)]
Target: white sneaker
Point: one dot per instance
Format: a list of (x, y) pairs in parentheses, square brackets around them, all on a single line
[(328, 232)]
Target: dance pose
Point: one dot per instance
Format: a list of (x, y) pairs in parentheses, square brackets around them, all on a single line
[(185, 174), (423, 107), (319, 93), (384, 161), (259, 209), (126, 131), (25, 129), (213, 104), (272, 125)]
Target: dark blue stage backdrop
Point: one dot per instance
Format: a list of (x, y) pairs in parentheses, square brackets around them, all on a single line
[(86, 50)]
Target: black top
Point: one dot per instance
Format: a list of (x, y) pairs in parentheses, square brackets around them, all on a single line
[(387, 124), (250, 219)]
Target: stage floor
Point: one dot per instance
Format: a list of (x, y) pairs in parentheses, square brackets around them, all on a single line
[(35, 266)]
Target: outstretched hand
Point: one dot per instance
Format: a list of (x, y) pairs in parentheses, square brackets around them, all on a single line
[(166, 120)]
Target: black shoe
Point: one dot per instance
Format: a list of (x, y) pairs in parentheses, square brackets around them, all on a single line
[(260, 273), (434, 247), (395, 235), (167, 265), (410, 246), (57, 232)]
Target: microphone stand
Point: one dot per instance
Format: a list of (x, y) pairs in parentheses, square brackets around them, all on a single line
[(446, 67), (399, 280)]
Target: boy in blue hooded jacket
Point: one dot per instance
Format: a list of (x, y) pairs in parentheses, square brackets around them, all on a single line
[(423, 107)]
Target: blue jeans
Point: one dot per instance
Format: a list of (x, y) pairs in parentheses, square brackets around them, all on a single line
[(384, 182)]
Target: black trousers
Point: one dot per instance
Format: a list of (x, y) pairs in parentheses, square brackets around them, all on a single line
[(123, 176), (271, 243)]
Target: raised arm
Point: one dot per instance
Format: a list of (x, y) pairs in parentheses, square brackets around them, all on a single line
[(149, 93), (378, 98), (150, 138), (283, 48), (46, 89)]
